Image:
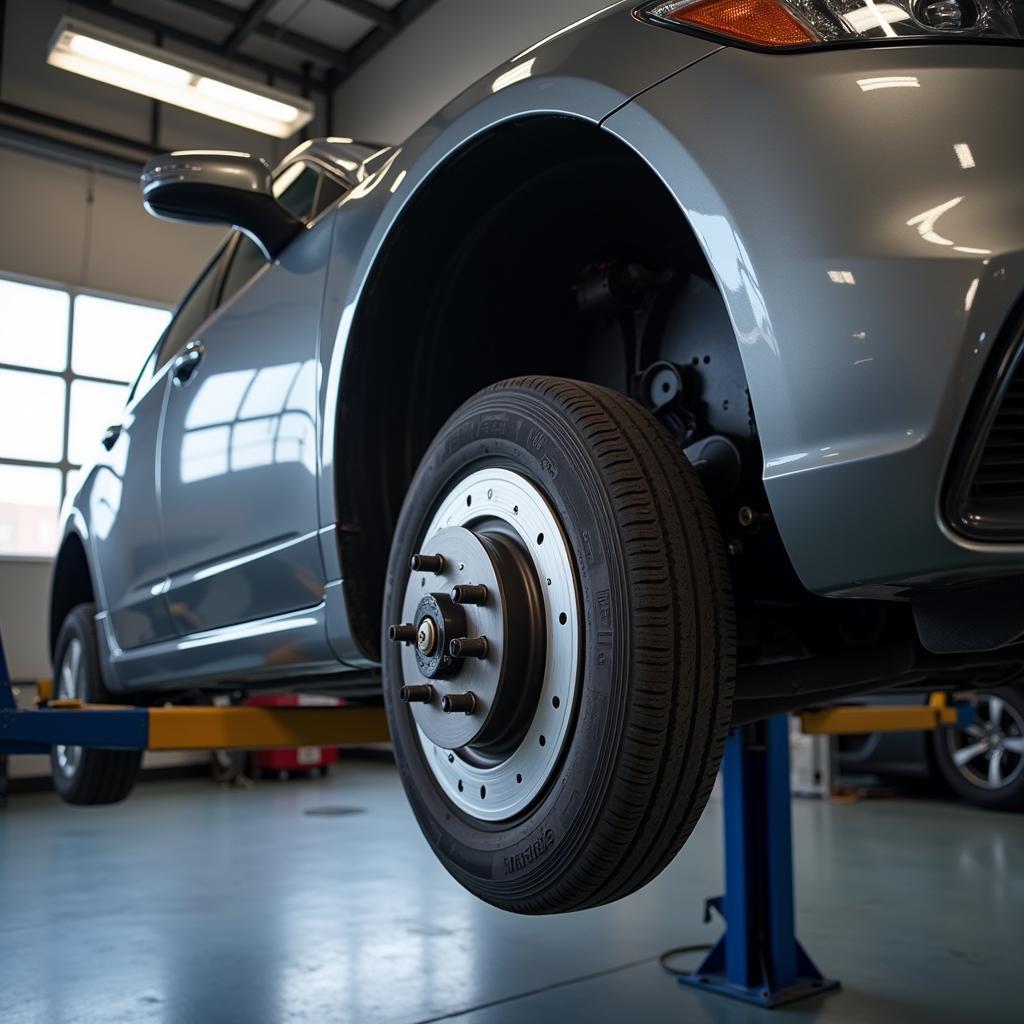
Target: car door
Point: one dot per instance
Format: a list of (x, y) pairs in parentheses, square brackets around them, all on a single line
[(124, 519), (238, 461)]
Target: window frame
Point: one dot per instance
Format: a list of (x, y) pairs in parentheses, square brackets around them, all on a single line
[(317, 213), (64, 465)]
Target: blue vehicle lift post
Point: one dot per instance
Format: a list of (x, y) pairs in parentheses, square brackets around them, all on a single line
[(758, 959)]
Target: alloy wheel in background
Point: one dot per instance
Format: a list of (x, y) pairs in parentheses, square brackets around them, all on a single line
[(984, 762)]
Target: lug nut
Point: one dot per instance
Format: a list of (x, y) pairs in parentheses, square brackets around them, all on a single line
[(468, 647), (469, 593), (454, 702), (427, 563), (416, 694), (403, 634)]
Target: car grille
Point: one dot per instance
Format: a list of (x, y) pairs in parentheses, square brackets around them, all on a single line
[(987, 498), (999, 477)]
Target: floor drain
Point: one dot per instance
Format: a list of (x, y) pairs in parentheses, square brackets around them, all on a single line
[(333, 812)]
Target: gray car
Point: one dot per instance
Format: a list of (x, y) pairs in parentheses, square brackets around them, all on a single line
[(667, 379)]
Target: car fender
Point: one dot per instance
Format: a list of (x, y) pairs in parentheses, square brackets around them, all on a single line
[(585, 73), (861, 210)]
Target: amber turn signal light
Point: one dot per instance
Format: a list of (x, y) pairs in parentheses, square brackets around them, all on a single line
[(761, 22)]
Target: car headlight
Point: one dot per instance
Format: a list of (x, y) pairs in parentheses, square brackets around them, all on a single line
[(788, 24)]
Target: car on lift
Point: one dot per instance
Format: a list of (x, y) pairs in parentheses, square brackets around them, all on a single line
[(666, 380)]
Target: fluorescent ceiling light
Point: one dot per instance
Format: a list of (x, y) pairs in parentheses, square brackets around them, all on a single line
[(170, 78)]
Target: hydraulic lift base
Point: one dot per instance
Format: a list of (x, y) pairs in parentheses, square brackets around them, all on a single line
[(758, 959)]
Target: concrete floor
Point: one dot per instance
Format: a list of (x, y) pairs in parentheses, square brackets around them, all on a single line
[(192, 904)]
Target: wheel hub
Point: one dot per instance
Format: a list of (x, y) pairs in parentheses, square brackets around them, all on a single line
[(479, 639), (493, 723)]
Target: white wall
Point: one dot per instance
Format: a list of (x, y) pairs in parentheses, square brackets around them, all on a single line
[(443, 51), (24, 600), (84, 227)]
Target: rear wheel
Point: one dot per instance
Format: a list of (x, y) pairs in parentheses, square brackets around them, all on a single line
[(86, 775), (558, 652), (984, 763)]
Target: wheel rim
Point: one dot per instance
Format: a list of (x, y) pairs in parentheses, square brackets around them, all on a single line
[(69, 687), (989, 753), (494, 509)]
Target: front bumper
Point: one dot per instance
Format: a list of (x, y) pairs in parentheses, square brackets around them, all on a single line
[(863, 211)]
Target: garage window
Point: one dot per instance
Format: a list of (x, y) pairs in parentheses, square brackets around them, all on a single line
[(67, 358)]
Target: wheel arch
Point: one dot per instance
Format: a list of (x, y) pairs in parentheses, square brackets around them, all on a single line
[(71, 584), (549, 185)]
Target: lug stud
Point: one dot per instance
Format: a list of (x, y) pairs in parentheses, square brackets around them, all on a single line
[(416, 694), (469, 647), (427, 563), (455, 702), (402, 634), (469, 593)]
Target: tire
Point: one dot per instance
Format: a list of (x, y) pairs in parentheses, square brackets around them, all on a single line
[(639, 733), (86, 775), (994, 777)]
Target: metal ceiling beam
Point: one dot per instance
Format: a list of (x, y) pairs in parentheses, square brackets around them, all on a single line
[(75, 154), (253, 16), (266, 30), (379, 15), (268, 69), (39, 119)]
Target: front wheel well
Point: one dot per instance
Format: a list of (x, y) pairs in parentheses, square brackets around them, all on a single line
[(476, 283), (71, 586)]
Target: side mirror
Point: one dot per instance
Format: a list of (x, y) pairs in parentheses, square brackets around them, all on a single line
[(219, 188)]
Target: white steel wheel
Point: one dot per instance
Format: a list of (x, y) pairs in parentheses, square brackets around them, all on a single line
[(557, 646)]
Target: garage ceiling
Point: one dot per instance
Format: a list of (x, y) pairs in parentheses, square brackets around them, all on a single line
[(304, 46), (316, 43)]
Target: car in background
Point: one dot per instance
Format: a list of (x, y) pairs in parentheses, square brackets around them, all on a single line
[(982, 763)]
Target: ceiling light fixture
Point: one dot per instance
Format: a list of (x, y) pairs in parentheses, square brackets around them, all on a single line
[(171, 78)]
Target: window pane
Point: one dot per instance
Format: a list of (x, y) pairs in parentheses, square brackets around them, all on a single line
[(94, 407), (31, 416), (34, 326), (295, 189), (72, 480), (247, 259), (29, 502), (112, 339)]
